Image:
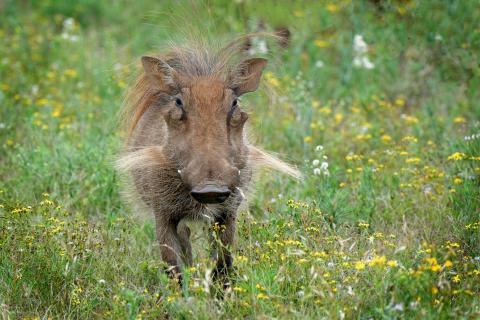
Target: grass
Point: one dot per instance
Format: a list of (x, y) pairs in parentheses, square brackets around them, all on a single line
[(391, 231)]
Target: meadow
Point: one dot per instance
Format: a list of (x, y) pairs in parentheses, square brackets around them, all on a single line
[(376, 102)]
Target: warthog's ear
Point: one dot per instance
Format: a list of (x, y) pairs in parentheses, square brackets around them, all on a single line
[(248, 74), (159, 74)]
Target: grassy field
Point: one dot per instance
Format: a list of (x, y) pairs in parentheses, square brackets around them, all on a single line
[(384, 224)]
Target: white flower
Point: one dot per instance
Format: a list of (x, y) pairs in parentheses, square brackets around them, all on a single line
[(319, 148), (68, 24), (319, 64), (258, 46), (367, 64), (359, 45), (35, 89), (315, 162), (438, 37), (317, 171), (398, 307), (357, 62), (360, 50), (324, 166), (102, 281)]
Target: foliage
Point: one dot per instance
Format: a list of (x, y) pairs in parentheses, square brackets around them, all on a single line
[(385, 223)]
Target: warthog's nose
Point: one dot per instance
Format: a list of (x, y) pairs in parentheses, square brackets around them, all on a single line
[(210, 193)]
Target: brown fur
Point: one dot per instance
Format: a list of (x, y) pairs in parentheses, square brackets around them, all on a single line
[(172, 148)]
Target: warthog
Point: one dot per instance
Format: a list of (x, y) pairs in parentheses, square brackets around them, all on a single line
[(186, 149)]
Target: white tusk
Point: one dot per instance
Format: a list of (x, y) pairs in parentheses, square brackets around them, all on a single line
[(241, 192)]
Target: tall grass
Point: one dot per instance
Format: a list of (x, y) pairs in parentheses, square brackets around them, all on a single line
[(389, 229)]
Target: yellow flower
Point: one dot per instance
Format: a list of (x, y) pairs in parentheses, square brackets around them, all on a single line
[(72, 73), (325, 110), (457, 156), (378, 261), (386, 138), (413, 160), (262, 296), (359, 265), (434, 290), (410, 139), (332, 8), (457, 181), (459, 120), (410, 119), (392, 263), (435, 267), (308, 139), (298, 13), (321, 254), (448, 264), (43, 102), (456, 278), (239, 289), (321, 43), (400, 102)]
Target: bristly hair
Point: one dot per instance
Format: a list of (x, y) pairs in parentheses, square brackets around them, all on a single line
[(197, 58)]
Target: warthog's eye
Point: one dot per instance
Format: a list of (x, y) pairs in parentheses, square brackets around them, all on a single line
[(234, 103), (178, 102)]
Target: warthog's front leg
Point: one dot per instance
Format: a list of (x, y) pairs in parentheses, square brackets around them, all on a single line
[(170, 247), (184, 235), (224, 229)]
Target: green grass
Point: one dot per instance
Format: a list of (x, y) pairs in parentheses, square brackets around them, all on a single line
[(391, 232)]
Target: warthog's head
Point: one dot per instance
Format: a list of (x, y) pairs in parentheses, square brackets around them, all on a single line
[(204, 120)]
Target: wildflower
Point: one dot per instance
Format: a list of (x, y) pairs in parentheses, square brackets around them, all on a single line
[(72, 73), (315, 162), (457, 181), (448, 264), (409, 119), (378, 261), (262, 296), (332, 8), (319, 64), (400, 102), (360, 49), (392, 263), (298, 13), (321, 43), (410, 139), (459, 120), (413, 160), (456, 278), (359, 265), (386, 138), (259, 46), (239, 289), (308, 139), (457, 156), (363, 225)]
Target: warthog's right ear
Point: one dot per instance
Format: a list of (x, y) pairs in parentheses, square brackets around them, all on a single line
[(160, 75)]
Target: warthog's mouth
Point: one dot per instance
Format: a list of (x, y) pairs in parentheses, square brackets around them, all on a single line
[(210, 193)]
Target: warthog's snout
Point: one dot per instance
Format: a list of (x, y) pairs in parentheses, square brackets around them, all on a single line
[(210, 193)]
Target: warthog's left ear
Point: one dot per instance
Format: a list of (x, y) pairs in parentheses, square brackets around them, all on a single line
[(160, 75), (248, 75)]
